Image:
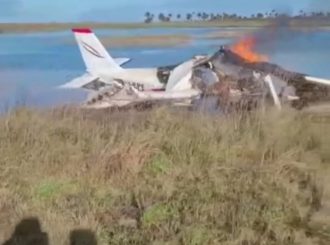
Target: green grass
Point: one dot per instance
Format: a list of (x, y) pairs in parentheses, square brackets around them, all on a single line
[(167, 177)]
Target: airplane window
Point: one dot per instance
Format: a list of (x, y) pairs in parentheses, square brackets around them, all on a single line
[(163, 73), (95, 85)]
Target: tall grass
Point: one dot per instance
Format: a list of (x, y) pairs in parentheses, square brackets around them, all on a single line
[(166, 177)]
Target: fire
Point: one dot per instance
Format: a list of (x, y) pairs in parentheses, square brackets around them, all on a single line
[(245, 49)]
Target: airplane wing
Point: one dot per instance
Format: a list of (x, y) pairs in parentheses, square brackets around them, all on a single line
[(122, 61), (89, 81), (86, 81), (181, 74)]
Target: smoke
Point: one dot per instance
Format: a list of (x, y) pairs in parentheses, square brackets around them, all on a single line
[(10, 7), (279, 36)]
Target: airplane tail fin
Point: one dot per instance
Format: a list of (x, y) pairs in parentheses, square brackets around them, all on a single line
[(93, 52)]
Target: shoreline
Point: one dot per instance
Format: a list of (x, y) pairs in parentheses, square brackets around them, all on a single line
[(140, 41), (54, 27)]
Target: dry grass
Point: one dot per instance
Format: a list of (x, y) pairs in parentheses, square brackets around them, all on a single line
[(165, 177)]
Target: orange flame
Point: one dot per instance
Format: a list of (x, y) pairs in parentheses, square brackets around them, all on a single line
[(245, 49)]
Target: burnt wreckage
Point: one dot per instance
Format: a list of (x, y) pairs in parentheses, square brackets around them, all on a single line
[(228, 81), (237, 76)]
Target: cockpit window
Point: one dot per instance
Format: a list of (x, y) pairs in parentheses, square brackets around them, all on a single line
[(96, 84), (164, 72)]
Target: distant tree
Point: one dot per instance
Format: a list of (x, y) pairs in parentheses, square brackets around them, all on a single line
[(219, 17), (260, 16), (147, 14), (161, 17), (233, 16), (168, 18), (149, 20), (273, 13), (188, 16), (205, 16), (178, 16), (148, 17)]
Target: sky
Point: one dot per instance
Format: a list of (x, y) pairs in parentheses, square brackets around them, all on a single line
[(133, 10)]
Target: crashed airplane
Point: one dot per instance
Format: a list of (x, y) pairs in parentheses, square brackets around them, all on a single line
[(178, 89), (234, 75), (111, 85), (101, 67)]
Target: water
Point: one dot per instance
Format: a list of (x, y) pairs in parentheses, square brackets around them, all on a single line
[(32, 65)]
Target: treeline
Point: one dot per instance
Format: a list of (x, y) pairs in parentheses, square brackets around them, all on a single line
[(204, 16)]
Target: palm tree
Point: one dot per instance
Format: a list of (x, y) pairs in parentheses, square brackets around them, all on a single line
[(169, 17), (189, 16), (273, 13), (178, 16), (260, 16), (161, 17), (148, 17), (147, 14), (205, 16)]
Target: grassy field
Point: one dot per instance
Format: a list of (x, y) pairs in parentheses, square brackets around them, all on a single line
[(49, 27), (166, 177)]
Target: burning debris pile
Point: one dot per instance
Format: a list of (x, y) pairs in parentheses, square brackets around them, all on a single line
[(245, 77)]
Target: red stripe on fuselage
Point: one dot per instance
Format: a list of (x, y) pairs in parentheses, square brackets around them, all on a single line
[(82, 30)]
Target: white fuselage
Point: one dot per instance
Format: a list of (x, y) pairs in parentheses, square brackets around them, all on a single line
[(145, 78), (168, 95)]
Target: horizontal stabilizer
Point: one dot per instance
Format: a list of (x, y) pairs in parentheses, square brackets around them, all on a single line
[(122, 61), (79, 82)]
